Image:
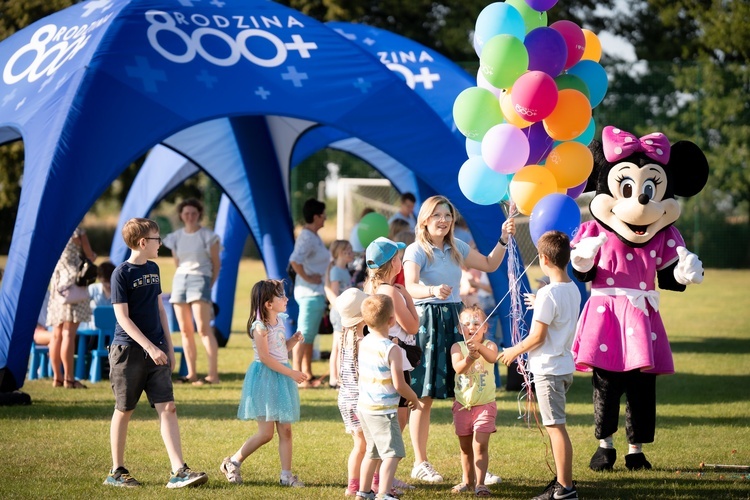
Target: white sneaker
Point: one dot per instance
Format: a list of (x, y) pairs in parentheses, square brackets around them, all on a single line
[(490, 478), (292, 481), (231, 471), (425, 472)]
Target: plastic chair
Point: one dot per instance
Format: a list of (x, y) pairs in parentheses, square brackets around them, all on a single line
[(104, 319), (39, 365), (83, 334)]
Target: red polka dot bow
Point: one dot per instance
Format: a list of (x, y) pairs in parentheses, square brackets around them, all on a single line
[(618, 144)]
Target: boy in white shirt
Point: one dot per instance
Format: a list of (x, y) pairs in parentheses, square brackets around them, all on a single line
[(556, 309)]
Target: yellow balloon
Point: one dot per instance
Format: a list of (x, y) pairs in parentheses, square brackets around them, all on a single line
[(529, 185), (570, 117), (506, 106), (571, 163), (593, 50)]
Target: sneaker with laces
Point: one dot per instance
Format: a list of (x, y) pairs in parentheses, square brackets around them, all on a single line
[(556, 491), (292, 481), (367, 495), (425, 472), (400, 485), (490, 478), (186, 477), (231, 471), (121, 477)]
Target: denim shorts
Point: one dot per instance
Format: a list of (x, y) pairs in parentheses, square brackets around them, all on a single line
[(550, 394), (132, 371), (189, 288)]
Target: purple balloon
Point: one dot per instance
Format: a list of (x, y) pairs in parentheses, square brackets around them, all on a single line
[(547, 51), (541, 5), (557, 212), (540, 144), (576, 191)]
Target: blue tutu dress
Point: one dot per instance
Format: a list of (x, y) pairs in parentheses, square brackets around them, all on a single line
[(266, 394)]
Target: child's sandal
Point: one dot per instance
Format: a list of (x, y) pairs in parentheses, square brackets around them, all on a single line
[(460, 488), (482, 491)]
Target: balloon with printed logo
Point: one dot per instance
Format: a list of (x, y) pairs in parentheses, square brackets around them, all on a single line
[(595, 77), (570, 117), (574, 40), (540, 144), (576, 191), (480, 184), (506, 106), (554, 212), (571, 163), (372, 226), (534, 96), (547, 51), (505, 148), (503, 60), (475, 111), (531, 18), (529, 185), (495, 19), (567, 81), (482, 83), (473, 148), (593, 50), (541, 5)]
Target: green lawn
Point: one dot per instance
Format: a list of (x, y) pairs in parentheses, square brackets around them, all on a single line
[(59, 446)]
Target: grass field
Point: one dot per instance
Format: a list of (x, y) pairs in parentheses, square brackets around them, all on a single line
[(59, 446)]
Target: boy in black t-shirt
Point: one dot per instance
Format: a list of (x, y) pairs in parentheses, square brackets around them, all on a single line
[(141, 355)]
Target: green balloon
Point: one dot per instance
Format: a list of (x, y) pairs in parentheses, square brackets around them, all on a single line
[(532, 19), (504, 58), (475, 111), (371, 226), (572, 82)]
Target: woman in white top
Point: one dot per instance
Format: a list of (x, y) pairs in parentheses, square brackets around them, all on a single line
[(196, 253)]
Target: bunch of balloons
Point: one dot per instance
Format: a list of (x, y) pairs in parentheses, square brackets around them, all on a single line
[(528, 121)]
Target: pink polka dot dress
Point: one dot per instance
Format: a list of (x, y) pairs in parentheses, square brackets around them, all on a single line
[(620, 328)]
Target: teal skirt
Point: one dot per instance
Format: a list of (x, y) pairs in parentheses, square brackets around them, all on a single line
[(438, 331)]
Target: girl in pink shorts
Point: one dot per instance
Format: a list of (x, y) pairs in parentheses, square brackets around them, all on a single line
[(474, 409)]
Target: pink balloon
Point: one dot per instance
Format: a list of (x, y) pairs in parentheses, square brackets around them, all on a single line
[(574, 39), (505, 148), (534, 96)]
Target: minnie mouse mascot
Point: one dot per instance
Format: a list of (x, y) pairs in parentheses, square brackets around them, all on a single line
[(628, 246)]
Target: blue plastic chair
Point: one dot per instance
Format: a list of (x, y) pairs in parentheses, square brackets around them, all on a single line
[(39, 365), (104, 319)]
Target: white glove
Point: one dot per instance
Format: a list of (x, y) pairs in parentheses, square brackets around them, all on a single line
[(689, 268), (582, 256)]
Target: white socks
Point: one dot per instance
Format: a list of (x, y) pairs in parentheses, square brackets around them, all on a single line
[(635, 448), (606, 443)]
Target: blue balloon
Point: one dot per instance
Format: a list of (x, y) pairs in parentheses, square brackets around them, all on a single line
[(588, 135), (480, 184), (497, 19), (557, 212), (595, 78), (473, 148)]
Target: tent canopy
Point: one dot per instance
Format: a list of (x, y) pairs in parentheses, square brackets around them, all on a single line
[(92, 88)]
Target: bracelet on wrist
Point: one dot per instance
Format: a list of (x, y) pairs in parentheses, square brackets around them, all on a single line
[(432, 291), (502, 243)]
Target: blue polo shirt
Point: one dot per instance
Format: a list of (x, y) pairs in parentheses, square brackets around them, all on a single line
[(442, 269)]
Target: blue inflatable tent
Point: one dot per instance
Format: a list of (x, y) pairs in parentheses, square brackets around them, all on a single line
[(224, 84)]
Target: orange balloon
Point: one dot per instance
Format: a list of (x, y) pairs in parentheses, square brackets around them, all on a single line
[(593, 50), (570, 117), (571, 163), (506, 106), (529, 185)]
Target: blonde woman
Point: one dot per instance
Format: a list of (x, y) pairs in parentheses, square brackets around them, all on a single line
[(432, 271)]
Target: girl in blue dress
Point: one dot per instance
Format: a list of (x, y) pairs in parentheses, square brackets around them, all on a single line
[(269, 392)]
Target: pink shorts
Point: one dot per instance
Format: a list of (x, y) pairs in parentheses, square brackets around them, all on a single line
[(477, 419)]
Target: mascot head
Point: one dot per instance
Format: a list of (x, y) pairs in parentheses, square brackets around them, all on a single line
[(636, 181)]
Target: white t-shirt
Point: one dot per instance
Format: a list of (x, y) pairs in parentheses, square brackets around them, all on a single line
[(310, 252), (557, 305), (193, 250)]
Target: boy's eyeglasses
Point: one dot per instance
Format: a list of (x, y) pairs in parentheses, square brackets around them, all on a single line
[(152, 238)]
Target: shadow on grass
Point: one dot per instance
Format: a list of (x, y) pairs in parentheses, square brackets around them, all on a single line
[(713, 345)]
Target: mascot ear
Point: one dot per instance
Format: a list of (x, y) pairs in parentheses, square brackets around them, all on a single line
[(600, 165), (689, 168)]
